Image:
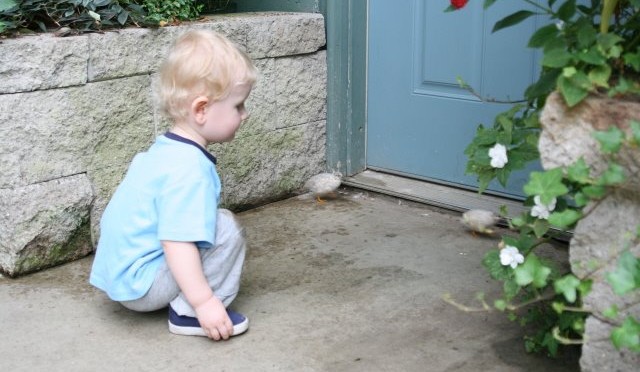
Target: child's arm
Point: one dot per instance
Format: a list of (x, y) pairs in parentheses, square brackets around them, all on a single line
[(184, 262)]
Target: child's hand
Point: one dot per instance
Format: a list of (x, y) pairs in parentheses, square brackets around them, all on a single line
[(214, 320)]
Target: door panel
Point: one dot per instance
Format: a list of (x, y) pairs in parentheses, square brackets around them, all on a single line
[(419, 119)]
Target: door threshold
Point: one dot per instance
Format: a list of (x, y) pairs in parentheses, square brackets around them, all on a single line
[(446, 197)]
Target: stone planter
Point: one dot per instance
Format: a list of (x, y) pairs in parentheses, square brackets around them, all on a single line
[(75, 110), (603, 233)]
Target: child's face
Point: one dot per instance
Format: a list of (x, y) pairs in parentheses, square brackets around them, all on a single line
[(223, 117)]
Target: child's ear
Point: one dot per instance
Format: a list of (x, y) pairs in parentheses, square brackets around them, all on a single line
[(198, 109)]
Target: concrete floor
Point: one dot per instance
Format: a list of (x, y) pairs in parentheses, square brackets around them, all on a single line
[(354, 284)]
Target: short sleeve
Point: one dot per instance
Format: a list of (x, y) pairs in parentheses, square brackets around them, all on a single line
[(187, 210)]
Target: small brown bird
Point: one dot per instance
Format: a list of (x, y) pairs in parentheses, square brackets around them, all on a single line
[(480, 221), (323, 185)]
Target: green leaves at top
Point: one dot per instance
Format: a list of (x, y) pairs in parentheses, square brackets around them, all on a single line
[(512, 19), (7, 4), (532, 271), (547, 184)]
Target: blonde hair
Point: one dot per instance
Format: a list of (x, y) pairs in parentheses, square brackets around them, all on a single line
[(200, 63)]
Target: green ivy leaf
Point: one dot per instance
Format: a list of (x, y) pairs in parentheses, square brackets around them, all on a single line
[(510, 288), (567, 286), (518, 221), (585, 287), (492, 263), (610, 140), (578, 171), (547, 184), (502, 175), (540, 227), (627, 335), (574, 89), (503, 211), (532, 271), (626, 276), (551, 343), (595, 191), (633, 59), (524, 242), (580, 199), (599, 76), (558, 307), (565, 218), (484, 137), (614, 175), (611, 312)]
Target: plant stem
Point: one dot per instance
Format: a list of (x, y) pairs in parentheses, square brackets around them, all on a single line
[(605, 16), (447, 298), (536, 5), (563, 340)]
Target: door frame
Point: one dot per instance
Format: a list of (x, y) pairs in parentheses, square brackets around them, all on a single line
[(346, 25)]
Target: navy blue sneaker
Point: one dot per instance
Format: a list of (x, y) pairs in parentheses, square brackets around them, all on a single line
[(189, 326)]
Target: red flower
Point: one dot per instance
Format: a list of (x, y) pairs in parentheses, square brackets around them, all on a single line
[(459, 3)]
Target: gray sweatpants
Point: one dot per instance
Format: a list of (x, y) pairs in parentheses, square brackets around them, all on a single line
[(222, 266)]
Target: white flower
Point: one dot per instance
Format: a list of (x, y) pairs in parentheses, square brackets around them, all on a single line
[(510, 256), (560, 25), (498, 154), (540, 210)]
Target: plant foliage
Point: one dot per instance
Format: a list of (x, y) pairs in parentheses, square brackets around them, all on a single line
[(589, 48), (25, 16)]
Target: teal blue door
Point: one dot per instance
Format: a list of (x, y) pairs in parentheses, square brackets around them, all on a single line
[(419, 120)]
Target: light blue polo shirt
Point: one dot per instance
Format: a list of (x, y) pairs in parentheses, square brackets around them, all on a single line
[(170, 192)]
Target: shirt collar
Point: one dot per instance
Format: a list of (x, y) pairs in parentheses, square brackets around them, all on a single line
[(178, 138)]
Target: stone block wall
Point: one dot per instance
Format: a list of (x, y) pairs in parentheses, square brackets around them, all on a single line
[(600, 236), (74, 111)]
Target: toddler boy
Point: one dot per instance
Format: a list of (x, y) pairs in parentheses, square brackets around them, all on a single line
[(163, 240)]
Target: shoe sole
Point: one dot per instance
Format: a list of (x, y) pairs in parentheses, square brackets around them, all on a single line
[(238, 329)]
